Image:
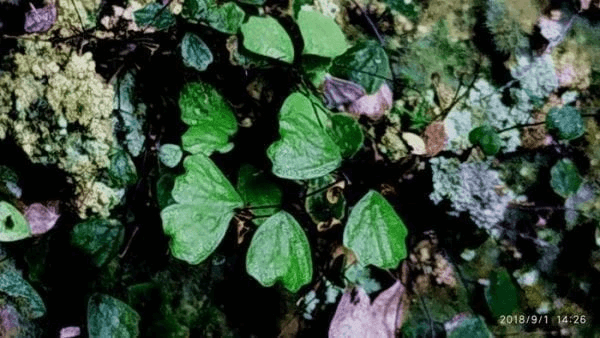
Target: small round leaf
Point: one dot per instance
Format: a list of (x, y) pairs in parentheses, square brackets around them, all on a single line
[(170, 155), (567, 121), (195, 52), (565, 178)]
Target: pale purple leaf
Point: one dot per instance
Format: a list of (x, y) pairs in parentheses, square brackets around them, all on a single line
[(41, 218), (374, 105), (357, 317), (40, 19), (70, 332)]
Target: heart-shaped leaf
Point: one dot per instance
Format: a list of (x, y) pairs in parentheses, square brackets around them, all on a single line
[(257, 190), (321, 35), (13, 225), (15, 286), (266, 37), (99, 238), (110, 317), (305, 149), (210, 118), (567, 121), (226, 18), (347, 134), (205, 206), (279, 250), (195, 52), (565, 178), (366, 64), (375, 232)]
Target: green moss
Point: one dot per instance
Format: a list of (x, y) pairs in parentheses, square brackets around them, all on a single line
[(61, 116)]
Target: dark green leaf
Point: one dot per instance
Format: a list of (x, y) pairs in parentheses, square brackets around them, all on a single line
[(110, 317), (565, 178), (266, 37), (99, 238), (226, 18), (195, 52), (257, 190), (321, 35), (13, 226), (12, 284), (375, 232), (347, 134), (154, 15), (210, 118), (567, 121), (366, 64), (122, 169), (305, 150), (205, 206), (280, 251), (164, 186), (487, 138), (501, 295)]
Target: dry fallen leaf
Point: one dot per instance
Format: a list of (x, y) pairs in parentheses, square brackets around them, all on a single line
[(415, 142), (40, 19), (435, 138), (41, 218), (357, 317)]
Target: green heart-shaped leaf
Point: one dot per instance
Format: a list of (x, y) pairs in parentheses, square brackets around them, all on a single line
[(321, 35), (375, 232), (279, 250), (205, 206), (305, 149), (210, 118), (110, 317), (266, 37)]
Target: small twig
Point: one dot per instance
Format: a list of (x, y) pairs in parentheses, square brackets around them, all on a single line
[(129, 242), (370, 22)]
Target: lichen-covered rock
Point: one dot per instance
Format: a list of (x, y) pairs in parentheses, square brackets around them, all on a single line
[(61, 115), (471, 188), (573, 66)]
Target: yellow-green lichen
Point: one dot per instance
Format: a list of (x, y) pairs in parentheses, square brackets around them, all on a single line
[(58, 110)]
